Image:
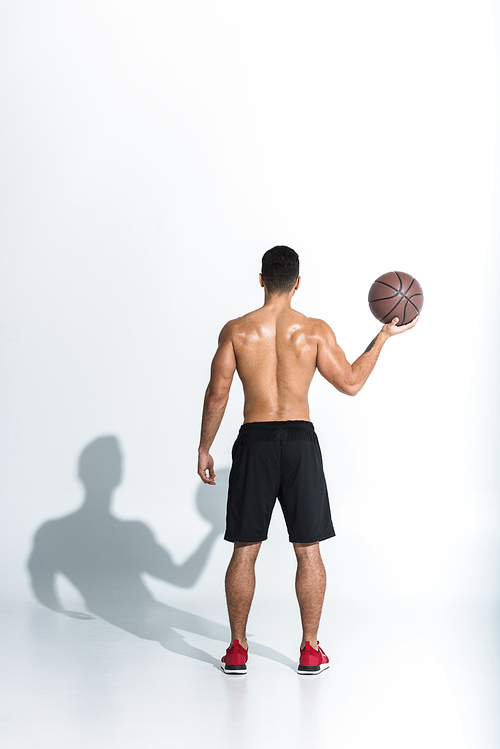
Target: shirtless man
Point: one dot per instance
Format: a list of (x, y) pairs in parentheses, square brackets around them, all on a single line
[(276, 351)]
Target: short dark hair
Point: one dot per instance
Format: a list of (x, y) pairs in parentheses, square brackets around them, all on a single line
[(280, 269)]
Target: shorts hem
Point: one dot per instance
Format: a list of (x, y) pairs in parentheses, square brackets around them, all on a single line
[(244, 540), (311, 540)]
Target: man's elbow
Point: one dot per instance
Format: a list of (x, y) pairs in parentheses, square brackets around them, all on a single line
[(352, 388), (347, 389), (353, 383), (217, 398), (346, 383)]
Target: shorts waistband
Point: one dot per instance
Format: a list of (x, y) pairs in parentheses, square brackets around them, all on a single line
[(254, 425), (276, 431)]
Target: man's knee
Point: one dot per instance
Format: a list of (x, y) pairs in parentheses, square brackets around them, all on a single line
[(247, 550), (306, 551)]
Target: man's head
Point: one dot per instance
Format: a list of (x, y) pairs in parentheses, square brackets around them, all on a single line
[(280, 270)]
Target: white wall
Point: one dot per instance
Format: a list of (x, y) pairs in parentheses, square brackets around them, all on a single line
[(152, 151)]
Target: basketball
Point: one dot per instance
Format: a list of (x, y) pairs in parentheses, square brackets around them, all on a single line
[(396, 294)]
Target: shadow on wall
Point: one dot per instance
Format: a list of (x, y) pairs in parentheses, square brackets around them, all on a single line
[(104, 558)]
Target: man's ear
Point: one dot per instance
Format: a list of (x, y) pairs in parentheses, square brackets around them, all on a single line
[(260, 280), (297, 284)]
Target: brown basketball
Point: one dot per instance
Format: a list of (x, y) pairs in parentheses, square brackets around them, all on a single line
[(396, 294)]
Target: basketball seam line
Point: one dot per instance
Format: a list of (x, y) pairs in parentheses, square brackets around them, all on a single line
[(400, 281), (408, 301), (404, 295), (384, 283), (384, 298), (398, 291), (391, 310), (404, 312)]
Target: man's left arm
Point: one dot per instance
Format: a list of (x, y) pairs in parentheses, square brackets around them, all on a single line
[(216, 397)]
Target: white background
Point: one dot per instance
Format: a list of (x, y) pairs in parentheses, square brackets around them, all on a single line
[(151, 153)]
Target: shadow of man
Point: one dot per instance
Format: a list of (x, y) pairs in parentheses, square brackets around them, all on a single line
[(105, 557)]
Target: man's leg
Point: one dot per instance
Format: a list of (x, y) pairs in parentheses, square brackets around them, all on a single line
[(310, 585), (240, 586)]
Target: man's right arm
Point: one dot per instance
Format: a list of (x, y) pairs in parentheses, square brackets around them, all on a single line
[(216, 397), (332, 362)]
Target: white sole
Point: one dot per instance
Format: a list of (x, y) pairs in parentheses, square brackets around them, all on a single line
[(302, 669), (234, 669)]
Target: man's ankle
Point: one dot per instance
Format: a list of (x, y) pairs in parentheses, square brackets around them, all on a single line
[(243, 642), (313, 643)]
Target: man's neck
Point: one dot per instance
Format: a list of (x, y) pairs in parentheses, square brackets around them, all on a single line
[(277, 301)]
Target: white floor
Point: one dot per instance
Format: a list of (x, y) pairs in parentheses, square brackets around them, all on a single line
[(400, 676)]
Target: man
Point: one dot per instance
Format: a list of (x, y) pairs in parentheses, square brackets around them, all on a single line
[(276, 351)]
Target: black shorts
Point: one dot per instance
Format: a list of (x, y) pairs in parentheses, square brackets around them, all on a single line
[(277, 459)]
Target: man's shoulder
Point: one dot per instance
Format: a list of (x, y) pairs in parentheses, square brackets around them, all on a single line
[(316, 326), (239, 324), (229, 328)]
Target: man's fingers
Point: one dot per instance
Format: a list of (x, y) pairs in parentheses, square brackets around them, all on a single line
[(210, 479), (211, 473), (393, 328), (410, 324), (205, 478)]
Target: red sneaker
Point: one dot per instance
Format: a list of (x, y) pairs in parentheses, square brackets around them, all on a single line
[(235, 660), (312, 661)]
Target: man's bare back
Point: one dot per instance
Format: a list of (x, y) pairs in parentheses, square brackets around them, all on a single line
[(275, 348)]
